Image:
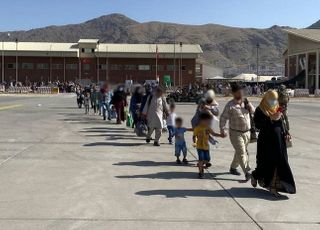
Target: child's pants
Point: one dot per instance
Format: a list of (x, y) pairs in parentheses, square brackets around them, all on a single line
[(106, 109), (157, 131), (87, 109), (170, 130), (181, 147)]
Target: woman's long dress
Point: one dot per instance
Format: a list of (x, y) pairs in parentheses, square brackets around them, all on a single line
[(273, 170), (119, 101)]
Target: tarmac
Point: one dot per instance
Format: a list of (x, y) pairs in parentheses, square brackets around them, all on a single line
[(61, 169)]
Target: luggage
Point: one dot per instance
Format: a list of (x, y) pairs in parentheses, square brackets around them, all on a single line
[(129, 121), (141, 129)]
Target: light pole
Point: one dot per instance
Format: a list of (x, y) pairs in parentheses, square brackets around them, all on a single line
[(2, 63), (107, 64), (98, 63), (50, 64), (180, 68), (258, 47), (174, 58), (17, 60)]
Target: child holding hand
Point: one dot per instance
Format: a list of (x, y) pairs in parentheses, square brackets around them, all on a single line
[(180, 143), (201, 137)]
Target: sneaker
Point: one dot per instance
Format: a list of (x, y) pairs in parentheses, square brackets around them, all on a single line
[(201, 175), (185, 161), (234, 172), (178, 161), (208, 165), (156, 144), (148, 141)]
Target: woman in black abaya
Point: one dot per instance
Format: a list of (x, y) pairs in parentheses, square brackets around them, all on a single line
[(273, 171)]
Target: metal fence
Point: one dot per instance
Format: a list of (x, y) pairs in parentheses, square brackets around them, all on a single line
[(301, 93), (18, 89), (25, 90)]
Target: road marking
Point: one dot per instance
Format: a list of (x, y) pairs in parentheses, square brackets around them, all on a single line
[(5, 107), (229, 193)]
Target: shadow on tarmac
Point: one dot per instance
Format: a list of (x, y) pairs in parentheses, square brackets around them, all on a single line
[(236, 193), (149, 164), (116, 144), (175, 175)]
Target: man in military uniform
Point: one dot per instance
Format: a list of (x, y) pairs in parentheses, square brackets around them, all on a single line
[(283, 102)]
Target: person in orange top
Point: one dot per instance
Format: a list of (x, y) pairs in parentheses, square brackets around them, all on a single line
[(201, 135)]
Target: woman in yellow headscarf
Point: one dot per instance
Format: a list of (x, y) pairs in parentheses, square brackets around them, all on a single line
[(269, 103), (273, 171)]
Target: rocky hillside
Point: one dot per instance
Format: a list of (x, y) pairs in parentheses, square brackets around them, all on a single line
[(223, 46), (315, 25)]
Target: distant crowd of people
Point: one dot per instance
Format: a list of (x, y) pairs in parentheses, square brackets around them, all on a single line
[(149, 114), (64, 87)]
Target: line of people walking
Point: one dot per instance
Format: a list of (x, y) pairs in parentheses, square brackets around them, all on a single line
[(239, 120)]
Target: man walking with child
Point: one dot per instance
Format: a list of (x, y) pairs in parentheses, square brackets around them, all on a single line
[(237, 112)]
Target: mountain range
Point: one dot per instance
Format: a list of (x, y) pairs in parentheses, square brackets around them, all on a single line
[(231, 48)]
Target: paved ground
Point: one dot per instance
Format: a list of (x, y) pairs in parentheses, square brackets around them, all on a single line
[(60, 169)]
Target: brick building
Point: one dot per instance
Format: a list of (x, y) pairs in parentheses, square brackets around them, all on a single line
[(98, 62)]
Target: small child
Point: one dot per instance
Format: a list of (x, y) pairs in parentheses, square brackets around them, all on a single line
[(201, 136), (180, 143), (171, 122), (87, 102)]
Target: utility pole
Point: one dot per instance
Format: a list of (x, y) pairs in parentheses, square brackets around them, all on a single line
[(174, 58), (180, 68), (17, 64), (50, 64), (98, 64), (2, 63), (258, 47)]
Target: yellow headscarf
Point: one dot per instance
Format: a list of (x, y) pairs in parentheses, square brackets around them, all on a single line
[(266, 108)]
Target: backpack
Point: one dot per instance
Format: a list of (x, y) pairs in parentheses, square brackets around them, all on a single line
[(253, 130)]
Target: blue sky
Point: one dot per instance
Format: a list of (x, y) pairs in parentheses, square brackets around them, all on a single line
[(28, 14)]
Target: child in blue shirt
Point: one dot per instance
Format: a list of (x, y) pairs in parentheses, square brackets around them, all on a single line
[(180, 142)]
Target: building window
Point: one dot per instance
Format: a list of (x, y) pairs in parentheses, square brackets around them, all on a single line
[(103, 67), (11, 66), (171, 67), (86, 67), (198, 70), (183, 67), (130, 67), (87, 50), (27, 65), (144, 67), (57, 66), (160, 68), (42, 66), (116, 67), (71, 66)]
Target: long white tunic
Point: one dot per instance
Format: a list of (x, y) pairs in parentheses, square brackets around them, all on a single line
[(154, 111)]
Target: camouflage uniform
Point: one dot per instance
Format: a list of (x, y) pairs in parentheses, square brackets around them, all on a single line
[(283, 102)]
